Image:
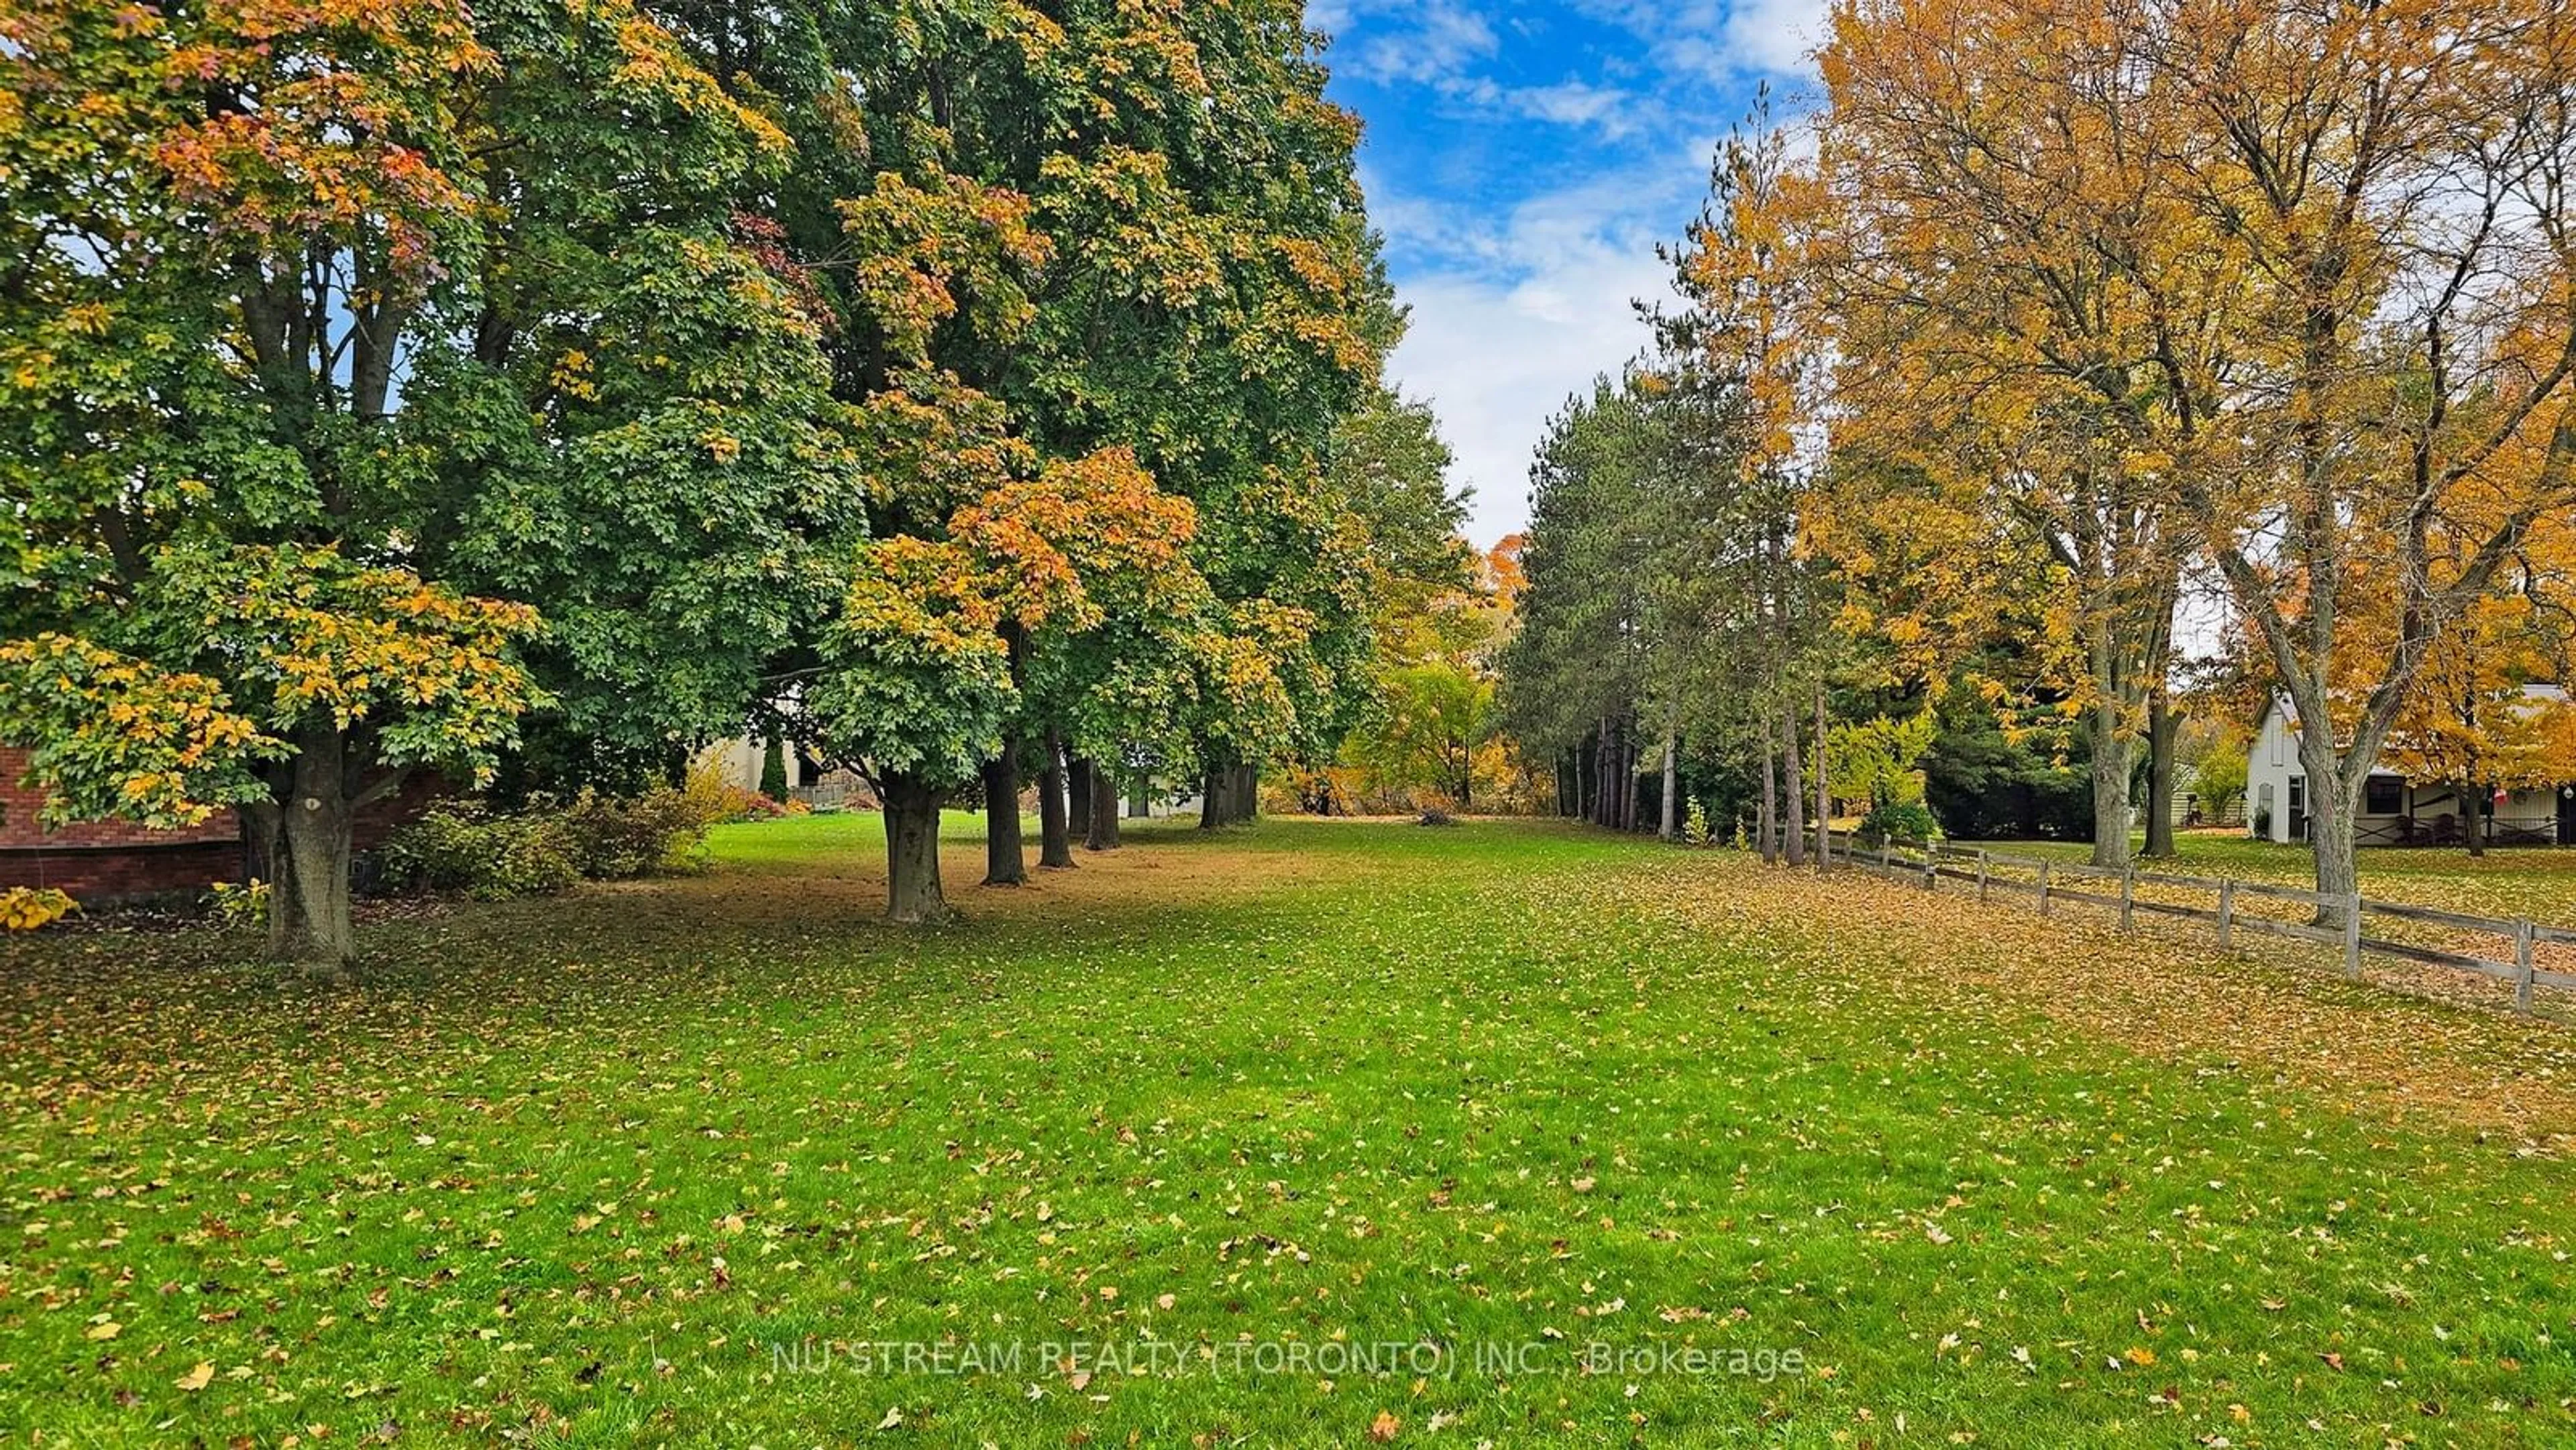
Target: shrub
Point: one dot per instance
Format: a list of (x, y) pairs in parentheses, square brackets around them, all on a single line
[(1898, 821), (465, 847), (613, 838), (240, 903), (773, 769), (1695, 824), (26, 908), (749, 805), (711, 798)]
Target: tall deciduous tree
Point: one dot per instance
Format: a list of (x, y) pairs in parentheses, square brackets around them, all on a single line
[(248, 244), (1202, 291), (2391, 183), (1994, 175)]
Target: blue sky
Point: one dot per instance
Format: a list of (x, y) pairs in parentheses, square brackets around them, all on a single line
[(1523, 161)]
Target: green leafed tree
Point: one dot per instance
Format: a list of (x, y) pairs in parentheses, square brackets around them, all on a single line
[(1433, 718), (332, 338)]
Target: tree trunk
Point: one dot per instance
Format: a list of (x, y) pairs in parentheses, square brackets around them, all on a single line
[(1078, 794), (1672, 819), (912, 851), (1006, 860), (2111, 747), (308, 848), (1636, 789), (1055, 835), (1794, 782), (1595, 771), (1212, 798), (2329, 820), (1770, 812), (1245, 780), (1623, 778), (1824, 791), (2162, 727), (1628, 778), (1615, 762), (1598, 773), (1101, 833), (1614, 751), (2474, 800)]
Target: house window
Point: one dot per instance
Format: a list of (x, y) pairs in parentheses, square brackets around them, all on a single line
[(2383, 795), (2280, 742)]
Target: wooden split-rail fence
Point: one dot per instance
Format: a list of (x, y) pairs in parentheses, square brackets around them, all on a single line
[(2055, 882)]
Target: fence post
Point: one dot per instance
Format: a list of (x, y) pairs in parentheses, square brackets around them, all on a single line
[(2522, 966), (2043, 888), (2128, 895), (1931, 868), (2227, 913), (2352, 936), (1981, 875)]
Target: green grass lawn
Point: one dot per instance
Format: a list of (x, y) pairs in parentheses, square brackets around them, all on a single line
[(1281, 1136)]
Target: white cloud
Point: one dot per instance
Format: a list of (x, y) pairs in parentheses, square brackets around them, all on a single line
[(1440, 42), (1722, 41), (1778, 36), (1516, 307), (1440, 46), (1512, 316), (1329, 16), (1606, 109)]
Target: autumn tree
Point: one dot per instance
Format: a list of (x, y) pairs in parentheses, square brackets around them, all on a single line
[(1198, 288), (1994, 174), (231, 231), (1436, 716), (2400, 380), (920, 682), (2475, 721)]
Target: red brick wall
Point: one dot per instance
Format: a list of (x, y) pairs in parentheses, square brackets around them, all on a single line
[(20, 826), (103, 860), (97, 875), (99, 860)]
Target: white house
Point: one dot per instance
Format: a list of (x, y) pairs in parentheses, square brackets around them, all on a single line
[(2396, 811)]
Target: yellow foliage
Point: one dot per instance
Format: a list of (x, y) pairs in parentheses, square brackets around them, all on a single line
[(26, 908)]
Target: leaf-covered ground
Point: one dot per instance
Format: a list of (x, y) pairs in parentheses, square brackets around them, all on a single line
[(1308, 1134)]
